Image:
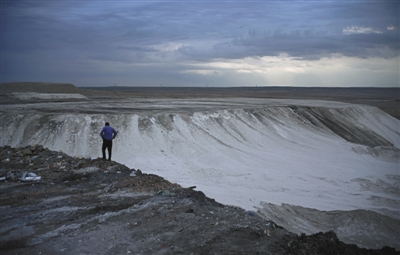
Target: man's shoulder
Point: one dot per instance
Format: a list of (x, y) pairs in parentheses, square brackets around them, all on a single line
[(111, 129)]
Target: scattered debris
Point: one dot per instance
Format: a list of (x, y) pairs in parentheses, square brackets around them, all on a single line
[(29, 177), (165, 193)]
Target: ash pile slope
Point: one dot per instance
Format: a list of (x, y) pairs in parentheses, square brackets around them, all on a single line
[(317, 155)]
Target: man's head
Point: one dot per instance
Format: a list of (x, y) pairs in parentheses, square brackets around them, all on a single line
[(107, 124)]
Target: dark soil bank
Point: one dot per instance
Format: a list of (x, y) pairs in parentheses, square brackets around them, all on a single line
[(51, 203)]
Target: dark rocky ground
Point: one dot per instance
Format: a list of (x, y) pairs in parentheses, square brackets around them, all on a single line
[(91, 206)]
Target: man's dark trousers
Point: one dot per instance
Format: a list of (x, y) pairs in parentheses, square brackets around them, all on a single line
[(107, 144)]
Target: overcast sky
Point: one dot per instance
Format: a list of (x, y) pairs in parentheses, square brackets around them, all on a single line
[(201, 43)]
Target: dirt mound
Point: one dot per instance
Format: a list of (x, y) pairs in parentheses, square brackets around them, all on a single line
[(52, 203), (13, 91), (38, 87), (31, 92)]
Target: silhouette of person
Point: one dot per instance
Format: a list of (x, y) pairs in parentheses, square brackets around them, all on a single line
[(108, 133)]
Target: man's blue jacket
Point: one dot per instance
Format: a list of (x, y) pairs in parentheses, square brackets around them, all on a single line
[(108, 133)]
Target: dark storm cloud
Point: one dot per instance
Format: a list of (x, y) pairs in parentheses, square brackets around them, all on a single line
[(309, 45), (136, 48), (92, 33), (312, 30), (244, 28)]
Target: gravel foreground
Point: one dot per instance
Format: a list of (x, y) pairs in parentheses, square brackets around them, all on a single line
[(51, 203)]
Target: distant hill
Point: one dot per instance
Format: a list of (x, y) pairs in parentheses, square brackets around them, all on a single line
[(387, 99), (38, 87)]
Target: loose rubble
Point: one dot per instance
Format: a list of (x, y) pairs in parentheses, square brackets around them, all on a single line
[(51, 203)]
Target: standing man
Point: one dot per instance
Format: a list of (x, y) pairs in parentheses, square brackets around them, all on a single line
[(108, 133)]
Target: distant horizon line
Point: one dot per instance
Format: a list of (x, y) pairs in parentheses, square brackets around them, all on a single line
[(221, 87), (161, 86)]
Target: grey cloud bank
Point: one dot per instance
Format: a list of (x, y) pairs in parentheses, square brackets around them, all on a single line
[(200, 43)]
